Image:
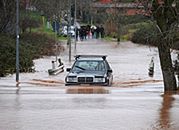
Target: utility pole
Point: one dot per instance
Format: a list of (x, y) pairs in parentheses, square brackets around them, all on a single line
[(69, 28), (75, 25), (17, 43), (56, 45), (117, 22)]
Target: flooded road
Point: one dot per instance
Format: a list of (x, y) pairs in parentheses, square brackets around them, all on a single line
[(129, 62), (134, 102), (121, 110)]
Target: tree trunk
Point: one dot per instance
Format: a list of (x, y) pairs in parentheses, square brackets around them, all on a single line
[(164, 15), (167, 68)]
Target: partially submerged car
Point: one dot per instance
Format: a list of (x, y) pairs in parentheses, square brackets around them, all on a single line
[(89, 69)]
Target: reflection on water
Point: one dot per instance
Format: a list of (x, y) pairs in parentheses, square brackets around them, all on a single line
[(165, 122), (87, 90), (165, 110)]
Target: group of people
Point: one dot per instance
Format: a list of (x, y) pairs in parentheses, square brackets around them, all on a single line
[(87, 32)]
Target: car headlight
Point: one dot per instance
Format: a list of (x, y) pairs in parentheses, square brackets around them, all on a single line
[(99, 79), (71, 79)]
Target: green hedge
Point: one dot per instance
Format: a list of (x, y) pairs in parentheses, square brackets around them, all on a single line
[(31, 46), (146, 34)]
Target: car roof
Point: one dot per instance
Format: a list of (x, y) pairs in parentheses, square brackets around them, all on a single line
[(90, 57)]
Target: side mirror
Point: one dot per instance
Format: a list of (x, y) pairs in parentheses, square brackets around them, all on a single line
[(68, 69), (109, 71)]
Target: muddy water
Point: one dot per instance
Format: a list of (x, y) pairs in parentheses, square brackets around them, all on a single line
[(134, 102), (121, 110), (129, 63)]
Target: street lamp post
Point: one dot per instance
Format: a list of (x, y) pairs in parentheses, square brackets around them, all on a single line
[(75, 26), (68, 29), (56, 44), (17, 43)]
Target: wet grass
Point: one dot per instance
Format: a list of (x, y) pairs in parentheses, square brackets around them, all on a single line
[(49, 32)]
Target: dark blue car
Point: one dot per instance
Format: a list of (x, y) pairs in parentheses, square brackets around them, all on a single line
[(90, 69)]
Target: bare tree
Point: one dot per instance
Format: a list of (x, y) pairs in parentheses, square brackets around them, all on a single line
[(51, 8), (7, 16), (118, 14), (115, 18), (165, 15), (84, 10)]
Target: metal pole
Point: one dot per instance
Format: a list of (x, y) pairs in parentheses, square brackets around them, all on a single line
[(117, 22), (56, 58), (17, 43), (75, 25), (69, 27)]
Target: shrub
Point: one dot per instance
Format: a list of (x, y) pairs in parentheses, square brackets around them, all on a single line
[(146, 35), (32, 45), (8, 56)]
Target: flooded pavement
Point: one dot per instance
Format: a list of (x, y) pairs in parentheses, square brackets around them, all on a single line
[(134, 102), (122, 110)]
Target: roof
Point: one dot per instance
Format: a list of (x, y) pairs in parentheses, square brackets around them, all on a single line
[(118, 5), (102, 57)]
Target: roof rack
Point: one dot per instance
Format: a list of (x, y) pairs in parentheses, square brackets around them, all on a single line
[(102, 56)]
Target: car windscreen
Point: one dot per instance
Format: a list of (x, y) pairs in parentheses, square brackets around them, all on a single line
[(86, 65)]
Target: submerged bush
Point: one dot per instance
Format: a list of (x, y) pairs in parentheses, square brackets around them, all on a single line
[(31, 46)]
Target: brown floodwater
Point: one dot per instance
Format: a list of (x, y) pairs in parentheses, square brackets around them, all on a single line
[(135, 101)]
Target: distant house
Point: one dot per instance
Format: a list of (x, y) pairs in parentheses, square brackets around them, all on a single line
[(105, 1), (126, 8), (129, 9)]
